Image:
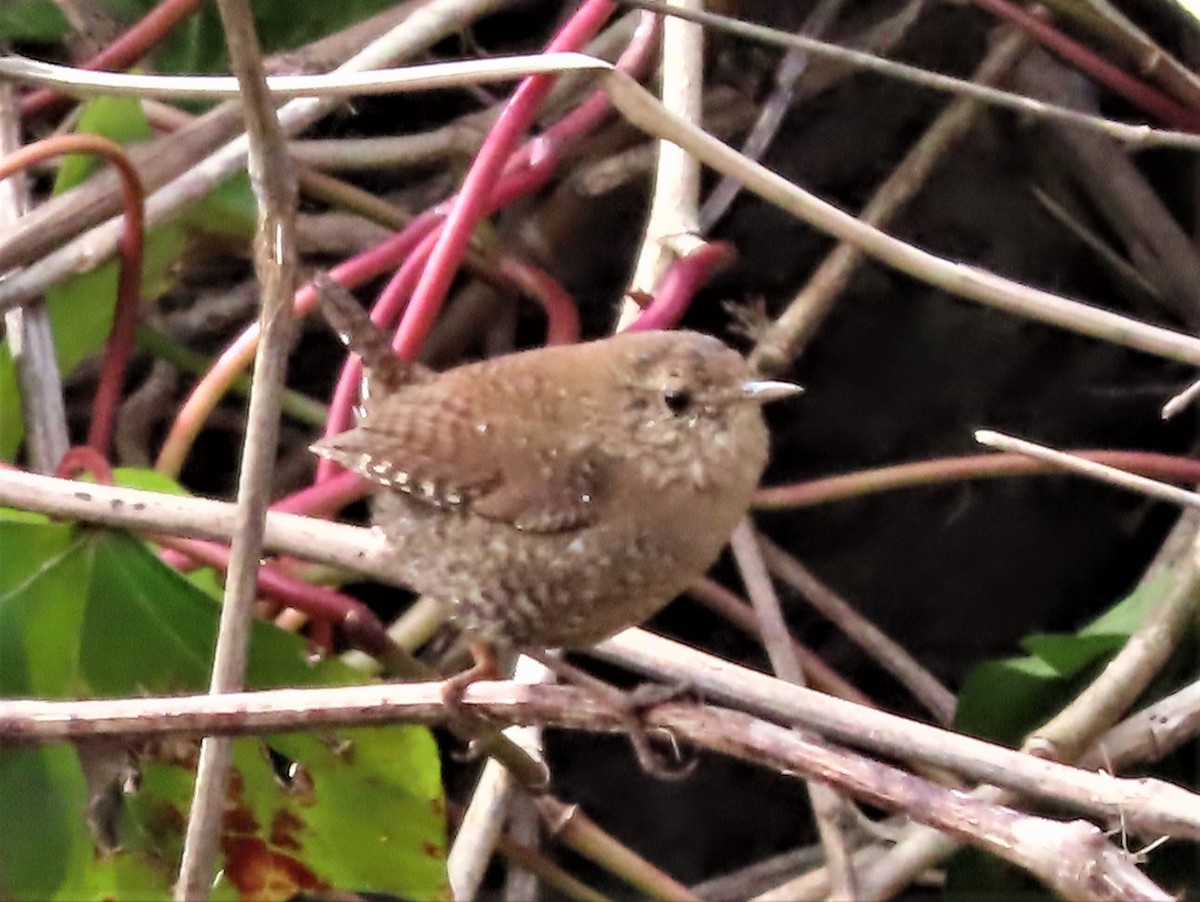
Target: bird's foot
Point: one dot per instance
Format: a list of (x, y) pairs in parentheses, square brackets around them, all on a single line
[(453, 688), (645, 739), (676, 763)]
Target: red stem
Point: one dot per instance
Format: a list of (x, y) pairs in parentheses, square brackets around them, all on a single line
[(1082, 57), (813, 492), (562, 313), (472, 201), (81, 459), (317, 602), (679, 285), (121, 336)]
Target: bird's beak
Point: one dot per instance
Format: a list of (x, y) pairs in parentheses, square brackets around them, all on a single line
[(766, 390)]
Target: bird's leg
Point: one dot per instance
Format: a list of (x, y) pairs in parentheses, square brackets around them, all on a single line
[(632, 704), (485, 667), (354, 327)]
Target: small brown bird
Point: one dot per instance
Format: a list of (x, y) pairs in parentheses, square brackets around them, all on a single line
[(554, 497)]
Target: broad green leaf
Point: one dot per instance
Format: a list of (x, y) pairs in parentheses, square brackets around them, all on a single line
[(32, 20), (229, 210), (1003, 700), (118, 118), (87, 612)]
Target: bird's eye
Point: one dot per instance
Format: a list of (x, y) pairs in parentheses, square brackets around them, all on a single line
[(677, 400)]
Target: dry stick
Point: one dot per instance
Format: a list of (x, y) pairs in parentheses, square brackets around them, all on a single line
[(1084, 467), (63, 217), (641, 109), (1126, 674), (1152, 238), (1073, 857), (1134, 135), (817, 673), (1075, 728), (83, 83), (673, 223), (276, 262), (571, 826), (1149, 735), (525, 829), (1149, 59), (1128, 275), (786, 338), (541, 868), (483, 822), (434, 21), (1066, 736), (815, 883), (892, 656), (753, 878), (788, 74), (164, 159), (30, 340), (828, 807), (1150, 805), (938, 471)]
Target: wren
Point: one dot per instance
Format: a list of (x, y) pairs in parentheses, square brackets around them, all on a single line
[(551, 498)]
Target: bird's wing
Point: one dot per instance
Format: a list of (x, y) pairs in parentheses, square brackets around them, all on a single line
[(439, 455)]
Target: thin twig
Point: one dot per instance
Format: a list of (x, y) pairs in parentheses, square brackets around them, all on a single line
[(571, 826), (1149, 735), (1150, 805), (828, 807), (1102, 472), (830, 489), (27, 330), (787, 336), (1073, 857), (1079, 725), (276, 261), (483, 821), (817, 673), (673, 224), (1083, 58), (788, 74), (434, 21), (643, 110), (890, 655), (122, 52), (1135, 135)]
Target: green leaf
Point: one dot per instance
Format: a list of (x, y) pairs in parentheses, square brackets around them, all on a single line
[(87, 612), (118, 118), (32, 20), (229, 210), (1003, 700)]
